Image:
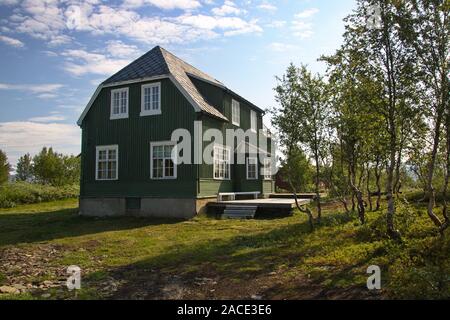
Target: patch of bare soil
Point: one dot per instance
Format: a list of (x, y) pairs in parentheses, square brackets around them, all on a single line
[(30, 269), (153, 284)]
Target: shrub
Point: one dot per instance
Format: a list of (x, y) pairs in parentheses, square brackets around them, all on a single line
[(12, 194)]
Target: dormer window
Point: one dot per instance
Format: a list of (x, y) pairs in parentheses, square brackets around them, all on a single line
[(235, 112), (119, 103), (151, 99)]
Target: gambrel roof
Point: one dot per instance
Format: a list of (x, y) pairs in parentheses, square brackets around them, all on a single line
[(159, 63)]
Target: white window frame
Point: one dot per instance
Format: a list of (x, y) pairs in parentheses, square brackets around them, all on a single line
[(267, 168), (119, 115), (163, 143), (253, 121), (106, 148), (235, 112), (228, 167), (150, 112), (256, 168)]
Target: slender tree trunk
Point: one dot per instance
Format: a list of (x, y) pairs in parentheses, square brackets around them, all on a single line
[(446, 223), (431, 165), (392, 130), (319, 207), (299, 207), (359, 196), (398, 182), (344, 203), (369, 196), (378, 201)]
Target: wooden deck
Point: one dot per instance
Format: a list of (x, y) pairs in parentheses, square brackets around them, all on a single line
[(271, 206), (264, 203)]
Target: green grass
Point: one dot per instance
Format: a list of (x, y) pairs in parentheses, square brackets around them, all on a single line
[(279, 258)]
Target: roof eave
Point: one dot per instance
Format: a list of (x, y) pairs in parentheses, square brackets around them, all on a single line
[(222, 86)]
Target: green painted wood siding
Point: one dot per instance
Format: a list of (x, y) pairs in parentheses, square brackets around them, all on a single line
[(133, 136), (208, 186)]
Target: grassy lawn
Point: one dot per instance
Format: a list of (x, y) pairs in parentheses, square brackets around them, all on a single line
[(205, 258)]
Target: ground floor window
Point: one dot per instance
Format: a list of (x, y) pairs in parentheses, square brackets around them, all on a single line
[(252, 168), (107, 162), (221, 162), (267, 169), (162, 160)]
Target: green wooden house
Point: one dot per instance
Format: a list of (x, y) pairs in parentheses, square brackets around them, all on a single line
[(126, 154)]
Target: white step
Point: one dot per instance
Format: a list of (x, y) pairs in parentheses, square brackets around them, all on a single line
[(239, 212)]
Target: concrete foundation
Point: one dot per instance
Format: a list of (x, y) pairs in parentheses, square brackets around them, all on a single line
[(102, 207), (168, 208), (149, 207)]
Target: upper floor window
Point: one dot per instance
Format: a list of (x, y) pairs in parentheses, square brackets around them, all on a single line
[(119, 103), (221, 165), (252, 168), (162, 162), (253, 121), (107, 158), (267, 169), (151, 99), (235, 112)]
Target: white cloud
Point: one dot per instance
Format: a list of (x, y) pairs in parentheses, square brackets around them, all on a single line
[(9, 2), (47, 96), (47, 119), (81, 62), (149, 30), (308, 13), (276, 24), (52, 20), (267, 6), (117, 48), (12, 42), (18, 138), (34, 88), (227, 8), (231, 25), (281, 47), (42, 19), (301, 25), (164, 4)]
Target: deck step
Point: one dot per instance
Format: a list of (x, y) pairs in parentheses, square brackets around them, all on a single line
[(239, 212)]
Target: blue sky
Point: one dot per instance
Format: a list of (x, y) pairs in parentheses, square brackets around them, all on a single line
[(54, 53)]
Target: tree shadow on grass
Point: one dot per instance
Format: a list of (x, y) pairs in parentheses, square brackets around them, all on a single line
[(16, 228), (237, 267)]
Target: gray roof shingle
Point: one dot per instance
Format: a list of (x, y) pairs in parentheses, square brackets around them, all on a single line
[(159, 61)]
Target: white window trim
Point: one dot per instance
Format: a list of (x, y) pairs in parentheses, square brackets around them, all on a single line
[(229, 161), (253, 124), (120, 115), (265, 168), (256, 168), (102, 148), (163, 143), (238, 122), (150, 112)]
